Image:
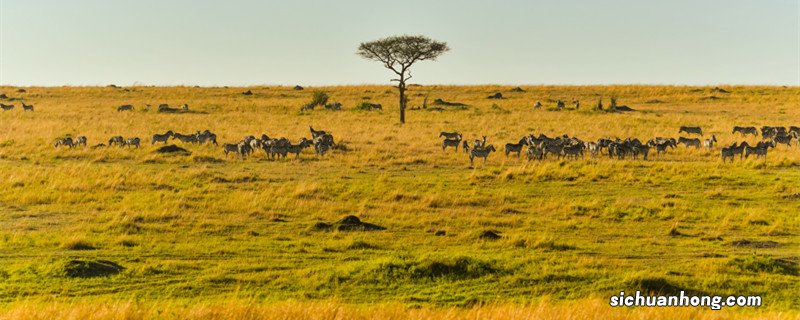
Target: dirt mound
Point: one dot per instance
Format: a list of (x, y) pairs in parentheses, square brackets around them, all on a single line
[(247, 93), (710, 98), (298, 88), (623, 109), (349, 223), (497, 95), (489, 235), (720, 90), (91, 269), (517, 89), (173, 149), (20, 90), (441, 102), (746, 243)]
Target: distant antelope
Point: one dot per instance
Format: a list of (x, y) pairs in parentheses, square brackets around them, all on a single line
[(482, 153), (26, 107), (125, 107), (695, 130)]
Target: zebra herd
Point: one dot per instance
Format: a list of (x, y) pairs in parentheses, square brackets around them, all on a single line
[(275, 148), (161, 107), (539, 147)]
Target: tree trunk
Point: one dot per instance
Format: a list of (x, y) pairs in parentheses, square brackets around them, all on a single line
[(402, 88)]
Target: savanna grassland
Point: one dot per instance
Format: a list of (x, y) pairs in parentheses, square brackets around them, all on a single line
[(205, 236)]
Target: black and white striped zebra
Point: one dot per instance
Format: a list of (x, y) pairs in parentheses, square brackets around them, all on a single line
[(480, 153), (118, 140), (125, 107), (162, 137), (27, 107), (132, 142), (64, 142), (690, 130)]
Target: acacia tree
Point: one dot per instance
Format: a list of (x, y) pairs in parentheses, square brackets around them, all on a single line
[(398, 53)]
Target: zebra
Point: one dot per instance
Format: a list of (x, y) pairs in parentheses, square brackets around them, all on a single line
[(785, 139), (185, 107), (230, 147), (190, 138), (745, 130), (480, 153), (451, 143), (118, 140), (644, 150), (27, 107), (297, 148), (560, 105), (6, 107), (577, 104), (465, 146), (450, 135), (316, 133), (132, 142), (80, 140), (516, 147), (709, 143), (759, 151), (534, 152), (309, 106), (593, 147), (162, 137), (574, 151), (323, 143), (243, 149), (67, 142), (537, 105), (689, 142), (336, 106), (206, 135), (125, 107), (728, 152), (689, 130)]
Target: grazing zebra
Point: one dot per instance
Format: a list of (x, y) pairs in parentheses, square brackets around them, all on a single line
[(27, 107), (709, 143), (515, 147), (118, 140), (450, 135), (688, 130), (67, 142), (186, 138), (451, 143), (80, 140), (728, 152), (746, 130), (162, 137), (482, 153), (297, 148), (132, 142), (125, 107), (336, 106), (537, 105), (309, 106), (6, 107), (689, 142), (243, 149), (644, 150)]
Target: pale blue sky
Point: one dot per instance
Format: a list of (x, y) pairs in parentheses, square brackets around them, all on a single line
[(313, 42)]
